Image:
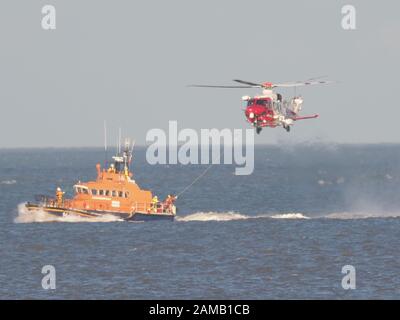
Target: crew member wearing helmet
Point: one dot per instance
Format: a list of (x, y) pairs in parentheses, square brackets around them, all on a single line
[(169, 202), (59, 197), (154, 203)]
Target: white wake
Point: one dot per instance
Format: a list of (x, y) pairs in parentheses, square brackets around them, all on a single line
[(213, 216), (361, 215), (230, 216), (26, 216), (8, 182), (290, 216)]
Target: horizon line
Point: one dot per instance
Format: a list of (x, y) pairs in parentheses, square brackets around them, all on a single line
[(304, 144)]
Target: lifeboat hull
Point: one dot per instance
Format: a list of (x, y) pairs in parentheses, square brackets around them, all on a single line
[(137, 216), (140, 216)]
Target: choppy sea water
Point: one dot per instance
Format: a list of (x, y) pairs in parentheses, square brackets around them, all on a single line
[(285, 231)]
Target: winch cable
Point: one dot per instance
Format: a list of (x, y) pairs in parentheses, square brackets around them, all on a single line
[(197, 179)]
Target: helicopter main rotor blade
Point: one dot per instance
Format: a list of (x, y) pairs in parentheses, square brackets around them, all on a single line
[(248, 84), (300, 84), (315, 78), (220, 87), (256, 85)]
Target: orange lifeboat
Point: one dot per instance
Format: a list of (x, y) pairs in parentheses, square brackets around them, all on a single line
[(113, 192)]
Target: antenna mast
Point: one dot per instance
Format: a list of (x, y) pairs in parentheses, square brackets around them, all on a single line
[(119, 140), (105, 144)]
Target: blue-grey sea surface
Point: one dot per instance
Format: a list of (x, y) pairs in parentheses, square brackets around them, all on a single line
[(284, 232)]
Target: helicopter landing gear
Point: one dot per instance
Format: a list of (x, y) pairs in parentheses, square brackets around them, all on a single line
[(287, 128), (258, 130)]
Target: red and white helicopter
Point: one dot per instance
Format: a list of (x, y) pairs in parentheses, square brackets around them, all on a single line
[(269, 109)]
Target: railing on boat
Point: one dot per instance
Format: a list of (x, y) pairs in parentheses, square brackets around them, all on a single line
[(149, 208), (154, 208)]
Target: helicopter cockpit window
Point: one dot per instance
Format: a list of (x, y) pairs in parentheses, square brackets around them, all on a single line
[(250, 102), (263, 102)]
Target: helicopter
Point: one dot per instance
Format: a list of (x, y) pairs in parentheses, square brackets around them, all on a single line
[(269, 109)]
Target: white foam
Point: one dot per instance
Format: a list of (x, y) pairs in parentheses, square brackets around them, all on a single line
[(361, 215), (229, 216), (26, 216), (8, 182), (213, 216), (290, 216)]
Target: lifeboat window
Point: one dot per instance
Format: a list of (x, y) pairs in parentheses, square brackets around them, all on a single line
[(94, 192), (85, 191), (101, 192), (114, 193), (107, 193), (126, 194), (79, 190), (120, 194)]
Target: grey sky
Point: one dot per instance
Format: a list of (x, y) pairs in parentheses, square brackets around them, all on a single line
[(129, 62)]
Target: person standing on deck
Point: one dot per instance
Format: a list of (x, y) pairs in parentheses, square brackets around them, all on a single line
[(169, 202), (154, 203), (59, 197)]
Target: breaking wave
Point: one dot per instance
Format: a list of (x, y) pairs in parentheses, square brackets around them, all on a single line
[(25, 216)]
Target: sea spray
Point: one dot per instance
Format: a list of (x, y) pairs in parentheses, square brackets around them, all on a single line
[(26, 216)]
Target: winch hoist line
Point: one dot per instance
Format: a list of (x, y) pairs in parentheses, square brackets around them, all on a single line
[(200, 176)]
